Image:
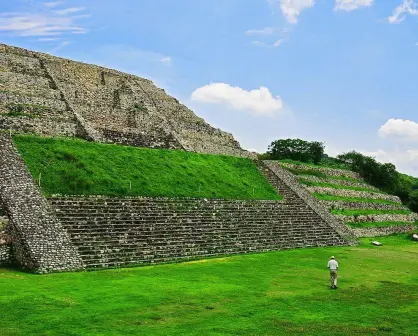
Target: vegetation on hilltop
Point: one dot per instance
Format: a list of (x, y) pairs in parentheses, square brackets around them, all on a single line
[(296, 149), (380, 175), (276, 293), (76, 167)]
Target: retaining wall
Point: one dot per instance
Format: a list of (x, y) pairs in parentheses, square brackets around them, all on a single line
[(39, 243), (383, 231), (111, 232)]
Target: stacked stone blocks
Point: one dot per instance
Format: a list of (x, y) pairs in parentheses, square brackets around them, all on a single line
[(101, 105), (38, 241)]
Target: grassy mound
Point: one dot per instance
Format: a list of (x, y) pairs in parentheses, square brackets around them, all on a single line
[(277, 293), (75, 167)]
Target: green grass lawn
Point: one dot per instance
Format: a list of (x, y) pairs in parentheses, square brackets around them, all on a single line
[(76, 167), (278, 293), (356, 212)]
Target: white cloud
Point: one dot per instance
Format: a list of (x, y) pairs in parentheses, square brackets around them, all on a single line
[(60, 46), (291, 9), (166, 60), (70, 10), (48, 39), (258, 101), (264, 31), (276, 44), (399, 13), (42, 22), (349, 5), (406, 161), (53, 4), (400, 129)]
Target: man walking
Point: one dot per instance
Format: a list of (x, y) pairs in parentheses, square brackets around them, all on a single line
[(333, 267)]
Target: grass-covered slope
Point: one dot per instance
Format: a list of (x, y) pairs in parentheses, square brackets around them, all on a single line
[(349, 197), (75, 167), (278, 293)]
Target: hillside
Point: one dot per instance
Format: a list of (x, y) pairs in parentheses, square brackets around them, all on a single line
[(350, 198), (77, 167)]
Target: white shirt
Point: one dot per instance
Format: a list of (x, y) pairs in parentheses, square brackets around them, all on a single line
[(333, 265)]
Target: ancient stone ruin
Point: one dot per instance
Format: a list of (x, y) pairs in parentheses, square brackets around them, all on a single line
[(45, 95)]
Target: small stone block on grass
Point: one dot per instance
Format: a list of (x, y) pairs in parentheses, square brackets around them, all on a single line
[(376, 243)]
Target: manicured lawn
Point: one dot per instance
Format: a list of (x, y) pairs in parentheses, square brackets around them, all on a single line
[(75, 167), (279, 293)]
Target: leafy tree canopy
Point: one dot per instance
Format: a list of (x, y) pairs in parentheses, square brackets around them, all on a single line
[(296, 149)]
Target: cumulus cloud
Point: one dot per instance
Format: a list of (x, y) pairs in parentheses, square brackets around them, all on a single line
[(43, 22), (291, 9), (399, 13), (349, 5), (400, 129), (259, 101)]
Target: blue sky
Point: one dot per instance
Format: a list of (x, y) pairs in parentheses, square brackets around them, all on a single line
[(340, 71)]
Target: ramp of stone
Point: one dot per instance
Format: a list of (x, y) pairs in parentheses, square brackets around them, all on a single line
[(111, 232)]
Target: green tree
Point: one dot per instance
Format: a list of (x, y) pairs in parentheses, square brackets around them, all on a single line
[(296, 149)]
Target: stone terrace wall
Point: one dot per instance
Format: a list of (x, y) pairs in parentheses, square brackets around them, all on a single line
[(289, 181), (48, 95), (5, 255), (111, 232), (383, 230), (39, 242)]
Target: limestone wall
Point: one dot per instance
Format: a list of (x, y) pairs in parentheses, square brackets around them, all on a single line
[(5, 253), (383, 231), (112, 232), (39, 243), (55, 96), (291, 182)]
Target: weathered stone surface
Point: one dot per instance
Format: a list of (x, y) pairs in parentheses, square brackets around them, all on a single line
[(39, 243), (99, 104), (111, 232), (327, 171), (353, 193), (302, 195), (383, 230), (379, 218), (342, 183), (361, 205)]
